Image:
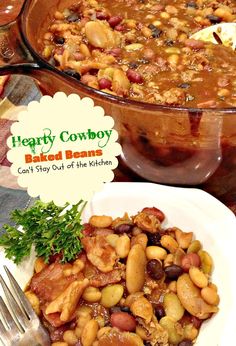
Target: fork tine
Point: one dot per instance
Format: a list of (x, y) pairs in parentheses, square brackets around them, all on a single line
[(3, 335), (7, 317), (25, 304), (19, 315)]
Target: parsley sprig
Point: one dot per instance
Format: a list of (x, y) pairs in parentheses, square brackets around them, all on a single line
[(51, 229)]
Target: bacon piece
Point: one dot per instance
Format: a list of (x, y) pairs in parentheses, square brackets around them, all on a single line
[(100, 253), (51, 282), (88, 230), (53, 320), (99, 279), (67, 301)]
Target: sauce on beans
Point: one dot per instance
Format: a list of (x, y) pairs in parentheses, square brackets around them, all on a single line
[(143, 297), (142, 50)]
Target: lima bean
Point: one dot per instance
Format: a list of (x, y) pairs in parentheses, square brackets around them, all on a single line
[(111, 295), (173, 307)]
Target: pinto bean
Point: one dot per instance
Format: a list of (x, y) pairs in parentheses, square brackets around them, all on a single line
[(194, 44), (156, 212), (191, 259), (123, 321)]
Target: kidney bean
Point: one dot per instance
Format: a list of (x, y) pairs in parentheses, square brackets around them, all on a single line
[(134, 76), (120, 27), (189, 260), (104, 83), (185, 342), (156, 212), (115, 20), (154, 269), (159, 311), (102, 16), (173, 272), (115, 52), (123, 228), (194, 44), (123, 321)]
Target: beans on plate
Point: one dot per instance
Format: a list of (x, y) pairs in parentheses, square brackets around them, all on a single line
[(121, 290)]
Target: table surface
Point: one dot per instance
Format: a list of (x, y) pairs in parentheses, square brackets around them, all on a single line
[(16, 94)]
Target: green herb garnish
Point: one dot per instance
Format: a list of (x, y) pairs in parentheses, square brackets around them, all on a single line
[(51, 229)]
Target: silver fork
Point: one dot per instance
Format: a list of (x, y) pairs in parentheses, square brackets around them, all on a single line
[(19, 324)]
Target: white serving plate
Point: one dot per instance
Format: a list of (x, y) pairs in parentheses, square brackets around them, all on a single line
[(191, 210)]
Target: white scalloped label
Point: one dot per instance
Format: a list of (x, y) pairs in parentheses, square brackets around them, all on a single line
[(63, 148)]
